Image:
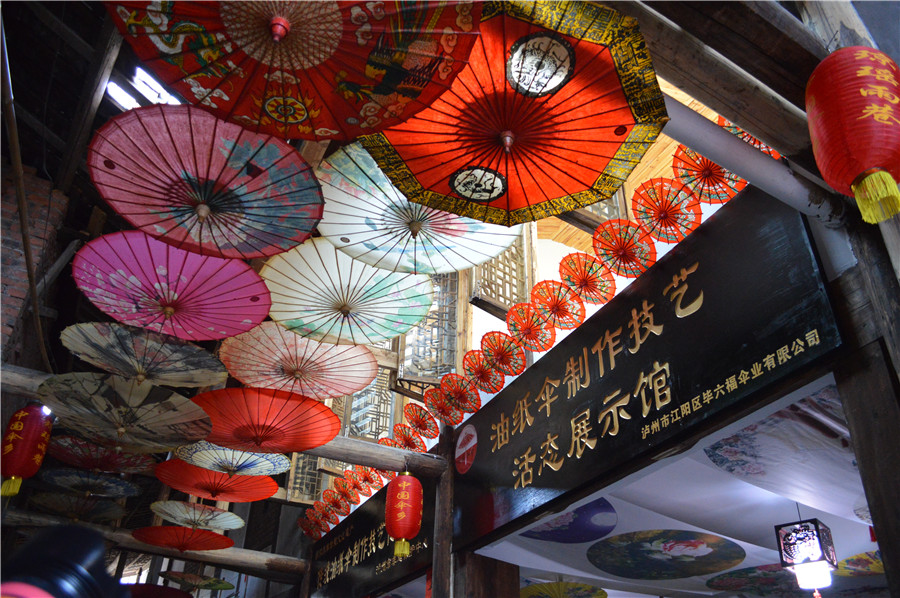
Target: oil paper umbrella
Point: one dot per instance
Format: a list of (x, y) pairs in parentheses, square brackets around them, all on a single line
[(710, 182), (736, 130), (141, 281), (478, 369), (338, 503), (266, 420), (77, 506), (346, 491), (193, 581), (355, 481), (309, 527), (667, 209), (182, 538), (87, 455), (317, 519), (558, 304), (407, 438), (327, 512), (557, 105), (230, 461), (312, 70), (205, 483), (387, 473), (270, 356), (369, 476), (503, 353), (367, 218), (139, 418), (89, 483), (180, 174), (529, 328), (189, 514), (561, 589), (420, 420), (143, 355), (460, 392), (440, 407), (323, 294), (584, 274), (624, 247)]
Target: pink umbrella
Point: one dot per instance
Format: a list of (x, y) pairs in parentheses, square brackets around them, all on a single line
[(144, 282)]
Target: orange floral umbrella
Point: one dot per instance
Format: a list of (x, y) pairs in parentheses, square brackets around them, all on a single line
[(346, 491), (666, 208), (558, 304), (529, 328), (386, 473), (338, 503), (503, 353), (369, 476), (478, 369), (710, 182), (407, 438), (437, 404), (327, 512), (624, 247), (736, 130), (586, 276), (460, 392), (421, 421), (356, 482)]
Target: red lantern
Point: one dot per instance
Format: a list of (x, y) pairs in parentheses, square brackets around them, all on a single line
[(403, 511), (853, 106), (24, 444)]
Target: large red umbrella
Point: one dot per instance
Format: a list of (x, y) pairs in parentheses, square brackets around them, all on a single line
[(144, 282), (266, 420), (407, 438), (87, 455), (667, 209), (187, 178), (558, 304), (478, 369), (460, 392), (182, 538), (736, 130), (206, 483), (312, 70), (624, 247), (710, 182), (420, 420), (437, 404), (503, 353), (529, 328), (585, 275), (557, 105)]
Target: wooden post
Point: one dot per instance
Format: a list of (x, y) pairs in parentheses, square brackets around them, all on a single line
[(478, 576), (443, 521)]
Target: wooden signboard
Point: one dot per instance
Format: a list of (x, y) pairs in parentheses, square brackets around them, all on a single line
[(738, 305)]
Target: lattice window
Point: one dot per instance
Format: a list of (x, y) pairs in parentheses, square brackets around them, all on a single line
[(430, 348), (504, 279), (372, 409), (305, 480), (610, 208)]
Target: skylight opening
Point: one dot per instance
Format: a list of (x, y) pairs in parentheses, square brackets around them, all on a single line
[(151, 89), (121, 97)]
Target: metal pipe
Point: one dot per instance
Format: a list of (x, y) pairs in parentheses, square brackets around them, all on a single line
[(772, 176)]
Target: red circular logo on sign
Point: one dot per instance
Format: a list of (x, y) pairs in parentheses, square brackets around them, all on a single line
[(466, 446)]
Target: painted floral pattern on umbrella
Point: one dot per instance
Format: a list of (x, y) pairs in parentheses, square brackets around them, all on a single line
[(77, 506), (347, 492), (437, 404), (317, 518), (206, 483), (666, 208), (309, 528), (710, 182), (356, 482), (421, 421), (529, 328), (624, 247), (204, 185), (270, 356), (88, 482), (407, 438), (144, 355), (585, 275), (387, 473), (479, 371), (562, 589), (460, 393), (182, 538), (503, 353), (369, 476), (736, 130), (87, 455), (191, 514), (558, 304), (232, 461), (327, 512), (140, 281), (337, 502)]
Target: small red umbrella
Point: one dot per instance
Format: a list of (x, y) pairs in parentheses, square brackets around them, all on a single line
[(558, 304), (586, 276), (437, 404), (407, 438), (266, 420), (357, 483), (666, 208), (736, 130), (387, 473), (87, 455), (460, 392), (477, 368), (310, 528), (624, 247), (346, 491), (421, 421), (214, 485), (529, 328), (503, 353), (337, 502), (143, 282), (327, 512), (710, 182), (182, 538), (369, 476), (318, 519)]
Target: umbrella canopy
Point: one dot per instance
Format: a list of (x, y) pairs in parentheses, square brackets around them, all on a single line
[(77, 506), (144, 282), (346, 491), (196, 582), (270, 356), (87, 455), (140, 418), (420, 420), (312, 70), (309, 527), (149, 590), (206, 483), (460, 393), (328, 514), (407, 438), (557, 105), (736, 130), (558, 304), (355, 481), (710, 182), (561, 589), (189, 514), (624, 247), (503, 353), (585, 275), (143, 355), (667, 209), (201, 184), (324, 294), (440, 407), (367, 218), (338, 503), (529, 328), (230, 461), (478, 369), (266, 420), (182, 538), (369, 476), (89, 483), (387, 473)]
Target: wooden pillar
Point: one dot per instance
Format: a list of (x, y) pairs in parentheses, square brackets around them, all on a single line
[(477, 576), (441, 571)]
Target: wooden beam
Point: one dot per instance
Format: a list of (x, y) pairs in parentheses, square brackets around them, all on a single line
[(265, 565), (582, 219), (385, 357), (61, 30), (34, 123), (441, 571), (490, 306)]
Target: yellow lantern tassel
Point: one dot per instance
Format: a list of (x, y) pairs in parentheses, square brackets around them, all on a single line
[(11, 486), (877, 196), (401, 547)]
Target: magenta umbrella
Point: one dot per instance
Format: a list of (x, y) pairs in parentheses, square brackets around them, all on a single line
[(144, 282)]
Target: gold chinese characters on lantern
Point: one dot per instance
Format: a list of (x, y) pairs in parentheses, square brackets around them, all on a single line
[(403, 511), (24, 445)]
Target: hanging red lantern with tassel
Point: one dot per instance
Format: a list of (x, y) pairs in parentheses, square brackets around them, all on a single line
[(853, 106), (24, 445), (403, 511)]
